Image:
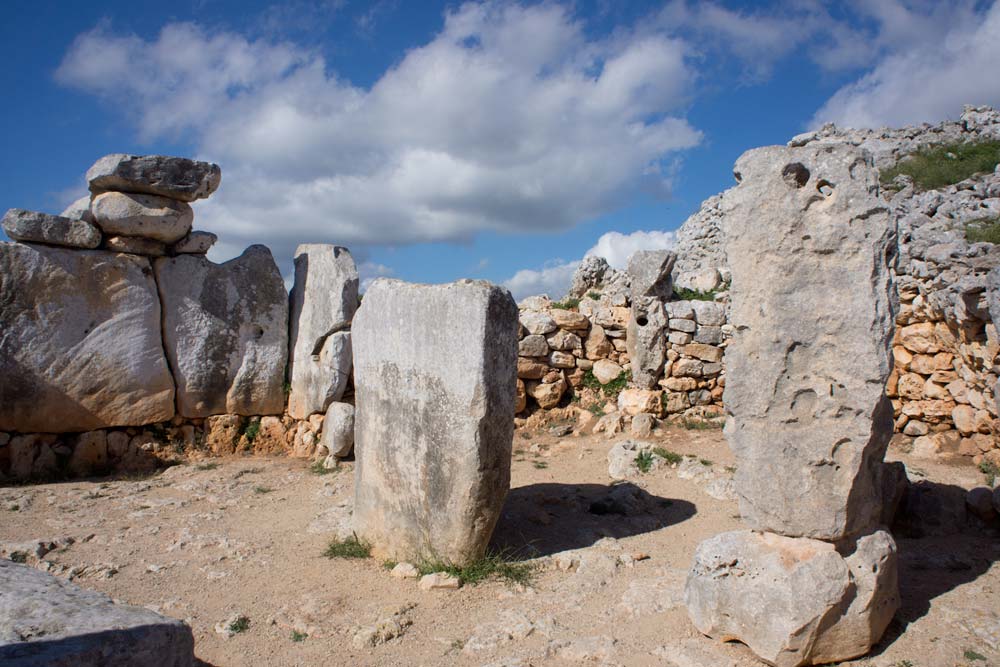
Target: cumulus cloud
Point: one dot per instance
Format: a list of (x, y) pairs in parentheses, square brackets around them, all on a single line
[(555, 277), (368, 271), (511, 119), (932, 63)]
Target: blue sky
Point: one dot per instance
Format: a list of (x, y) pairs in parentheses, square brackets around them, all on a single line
[(441, 140)]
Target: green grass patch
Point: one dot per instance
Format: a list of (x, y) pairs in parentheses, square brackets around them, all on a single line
[(705, 462), (596, 409), (594, 295), (389, 564), (206, 466), (644, 461), (261, 490), (252, 430), (568, 304), (983, 230), (299, 637), (667, 455), (610, 389), (352, 547), (685, 294), (991, 470), (15, 508), (241, 624), (541, 465), (490, 566), (972, 655), (939, 166)]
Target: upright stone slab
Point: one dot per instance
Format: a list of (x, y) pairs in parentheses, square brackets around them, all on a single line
[(225, 330), (434, 373), (323, 300), (45, 621), (810, 246), (649, 273), (80, 343)]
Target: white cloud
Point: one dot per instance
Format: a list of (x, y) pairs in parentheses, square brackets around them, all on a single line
[(369, 271), (555, 277), (511, 119), (933, 63), (617, 247), (553, 280)]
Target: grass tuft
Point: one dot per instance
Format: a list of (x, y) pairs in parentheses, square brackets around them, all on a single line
[(490, 566), (983, 230), (352, 547), (972, 655), (241, 624), (611, 389), (318, 468), (261, 490), (298, 637), (19, 557), (701, 424), (940, 166), (991, 470), (667, 455), (644, 461), (594, 295), (206, 466), (685, 294), (568, 304)]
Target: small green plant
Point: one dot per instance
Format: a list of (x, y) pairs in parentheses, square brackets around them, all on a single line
[(983, 230), (261, 490), (252, 430), (991, 470), (318, 468), (568, 304), (685, 294), (596, 409), (389, 564), (19, 557), (298, 637), (241, 624), (943, 165), (705, 462), (287, 388), (594, 295), (667, 455), (610, 389), (457, 644), (972, 655), (352, 547), (207, 466), (490, 566), (644, 461), (15, 508), (904, 663), (541, 465)]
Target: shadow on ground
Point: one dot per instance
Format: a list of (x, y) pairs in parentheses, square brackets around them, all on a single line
[(543, 519), (941, 546)]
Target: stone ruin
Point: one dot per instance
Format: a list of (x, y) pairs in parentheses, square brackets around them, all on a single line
[(811, 248)]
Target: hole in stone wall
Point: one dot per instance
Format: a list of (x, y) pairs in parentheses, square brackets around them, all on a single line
[(641, 321), (795, 174), (825, 187)]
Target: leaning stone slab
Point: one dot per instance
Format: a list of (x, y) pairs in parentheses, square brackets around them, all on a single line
[(807, 236), (173, 177), (34, 227), (794, 601), (45, 621), (649, 273), (80, 343), (323, 300), (225, 330), (149, 216), (434, 372)]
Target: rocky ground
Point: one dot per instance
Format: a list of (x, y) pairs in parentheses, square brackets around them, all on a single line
[(237, 544)]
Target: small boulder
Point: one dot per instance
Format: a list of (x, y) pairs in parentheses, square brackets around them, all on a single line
[(33, 227), (174, 177), (195, 243), (338, 430), (149, 216)]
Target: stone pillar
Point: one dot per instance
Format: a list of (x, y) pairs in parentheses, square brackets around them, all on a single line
[(811, 247), (651, 285), (434, 372), (323, 300)]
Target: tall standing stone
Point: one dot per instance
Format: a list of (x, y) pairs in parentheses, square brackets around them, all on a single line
[(434, 372), (80, 345), (811, 247), (323, 300), (225, 330), (649, 274)]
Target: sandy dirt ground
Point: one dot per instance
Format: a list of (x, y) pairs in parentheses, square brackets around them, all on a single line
[(209, 542)]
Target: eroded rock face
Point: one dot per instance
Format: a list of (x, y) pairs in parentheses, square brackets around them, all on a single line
[(430, 485), (80, 343), (793, 601), (323, 301), (149, 216), (49, 621), (809, 421), (649, 273), (646, 340), (33, 227), (225, 330), (173, 177)]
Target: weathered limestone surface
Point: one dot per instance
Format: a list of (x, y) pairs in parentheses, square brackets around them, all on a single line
[(149, 216), (195, 243), (338, 430), (323, 301), (51, 622), (33, 227), (434, 373), (173, 177), (80, 345), (649, 273), (79, 210), (794, 601), (810, 247), (225, 330)]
